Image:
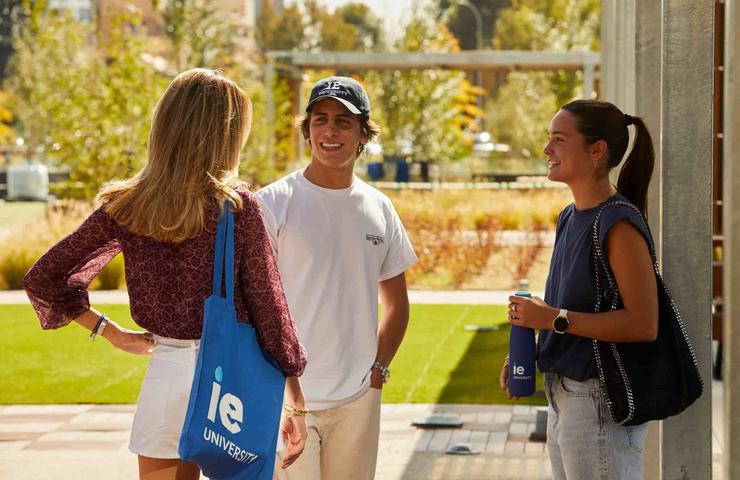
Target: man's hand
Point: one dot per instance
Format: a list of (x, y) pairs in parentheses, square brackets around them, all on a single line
[(295, 433), (376, 379)]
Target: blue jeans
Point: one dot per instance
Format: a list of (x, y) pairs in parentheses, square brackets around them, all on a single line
[(583, 441)]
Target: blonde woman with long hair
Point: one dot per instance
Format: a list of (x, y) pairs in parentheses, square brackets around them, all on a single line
[(164, 221)]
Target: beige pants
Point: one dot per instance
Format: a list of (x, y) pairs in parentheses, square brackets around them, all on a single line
[(342, 443)]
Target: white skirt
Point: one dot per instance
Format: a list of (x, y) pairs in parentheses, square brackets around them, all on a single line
[(163, 399)]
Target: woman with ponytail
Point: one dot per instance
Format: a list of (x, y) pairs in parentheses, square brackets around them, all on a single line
[(586, 140)]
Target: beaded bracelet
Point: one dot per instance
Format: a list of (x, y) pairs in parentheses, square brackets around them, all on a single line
[(295, 412)]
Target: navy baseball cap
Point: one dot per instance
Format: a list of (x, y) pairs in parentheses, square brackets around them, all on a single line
[(343, 89)]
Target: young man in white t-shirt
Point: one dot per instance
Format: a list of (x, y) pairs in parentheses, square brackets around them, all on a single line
[(339, 242)]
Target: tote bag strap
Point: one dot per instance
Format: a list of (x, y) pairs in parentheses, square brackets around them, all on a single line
[(223, 256)]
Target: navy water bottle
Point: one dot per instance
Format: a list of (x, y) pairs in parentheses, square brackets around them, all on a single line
[(522, 352)]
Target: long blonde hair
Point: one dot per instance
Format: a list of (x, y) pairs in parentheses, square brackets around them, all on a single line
[(200, 124)]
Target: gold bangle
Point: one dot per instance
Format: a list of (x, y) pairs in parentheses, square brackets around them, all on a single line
[(295, 412)]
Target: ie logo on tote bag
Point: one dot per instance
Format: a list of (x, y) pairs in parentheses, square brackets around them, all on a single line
[(231, 426)]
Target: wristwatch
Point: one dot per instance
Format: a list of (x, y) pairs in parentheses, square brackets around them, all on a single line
[(561, 322), (384, 371)]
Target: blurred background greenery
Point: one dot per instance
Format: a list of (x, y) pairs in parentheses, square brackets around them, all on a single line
[(80, 79), (79, 84)]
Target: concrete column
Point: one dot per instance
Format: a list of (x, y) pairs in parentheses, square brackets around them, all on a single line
[(731, 213), (647, 86), (687, 65), (617, 53), (618, 58), (609, 47), (589, 73)]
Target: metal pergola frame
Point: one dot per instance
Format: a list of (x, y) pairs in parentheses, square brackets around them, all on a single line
[(470, 60)]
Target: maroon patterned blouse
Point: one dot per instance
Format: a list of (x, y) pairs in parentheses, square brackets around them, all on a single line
[(168, 283)]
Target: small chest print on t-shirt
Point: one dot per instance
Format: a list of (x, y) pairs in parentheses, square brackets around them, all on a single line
[(374, 239)]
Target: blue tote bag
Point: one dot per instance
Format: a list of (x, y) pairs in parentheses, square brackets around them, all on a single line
[(232, 422)]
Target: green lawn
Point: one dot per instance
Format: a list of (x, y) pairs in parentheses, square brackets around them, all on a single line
[(439, 361), (13, 213)]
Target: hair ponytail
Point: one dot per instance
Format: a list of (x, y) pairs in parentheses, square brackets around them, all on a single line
[(598, 120), (634, 178)]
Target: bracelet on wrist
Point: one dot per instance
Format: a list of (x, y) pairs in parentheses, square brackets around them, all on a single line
[(385, 372), (99, 327), (292, 411)]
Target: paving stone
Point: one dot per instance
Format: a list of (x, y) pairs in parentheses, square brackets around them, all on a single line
[(12, 445), (422, 439), (13, 436), (479, 440), (32, 418), (514, 447), (486, 417), (503, 417), (518, 428), (534, 447), (439, 440), (496, 442), (523, 418), (29, 427), (116, 408), (74, 446), (520, 410), (518, 437), (44, 409), (489, 427), (459, 436), (61, 437)]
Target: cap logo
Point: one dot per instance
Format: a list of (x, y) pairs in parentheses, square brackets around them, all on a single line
[(333, 86)]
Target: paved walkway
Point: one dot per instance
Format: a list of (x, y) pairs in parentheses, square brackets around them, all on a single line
[(80, 442), (63, 442)]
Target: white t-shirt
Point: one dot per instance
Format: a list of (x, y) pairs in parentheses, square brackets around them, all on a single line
[(333, 247)]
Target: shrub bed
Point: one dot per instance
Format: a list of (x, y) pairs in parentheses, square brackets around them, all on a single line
[(456, 235)]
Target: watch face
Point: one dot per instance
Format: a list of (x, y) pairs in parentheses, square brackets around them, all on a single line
[(560, 324)]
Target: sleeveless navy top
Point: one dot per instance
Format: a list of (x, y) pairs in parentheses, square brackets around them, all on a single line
[(571, 284)]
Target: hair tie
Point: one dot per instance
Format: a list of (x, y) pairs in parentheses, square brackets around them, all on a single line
[(628, 119)]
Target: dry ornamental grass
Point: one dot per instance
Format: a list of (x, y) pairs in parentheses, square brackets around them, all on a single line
[(480, 239), (456, 233)]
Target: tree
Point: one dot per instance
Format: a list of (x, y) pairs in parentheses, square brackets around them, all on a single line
[(367, 24), (352, 27), (269, 150), (329, 31), (280, 32), (521, 112), (558, 25), (8, 10), (84, 107), (429, 108), (461, 21), (201, 33)]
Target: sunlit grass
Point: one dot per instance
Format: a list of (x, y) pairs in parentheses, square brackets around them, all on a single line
[(438, 362)]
